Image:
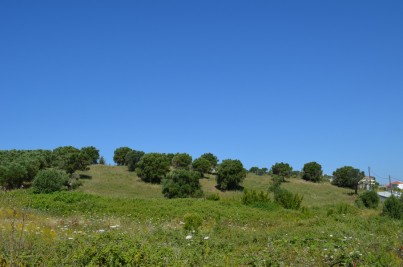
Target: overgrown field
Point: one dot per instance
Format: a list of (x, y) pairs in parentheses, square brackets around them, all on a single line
[(116, 220)]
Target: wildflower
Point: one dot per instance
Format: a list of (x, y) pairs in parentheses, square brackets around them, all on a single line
[(70, 238), (331, 235), (206, 238), (188, 237), (114, 226), (101, 231), (181, 222)]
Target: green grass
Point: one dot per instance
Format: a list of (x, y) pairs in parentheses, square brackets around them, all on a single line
[(116, 220), (116, 181)]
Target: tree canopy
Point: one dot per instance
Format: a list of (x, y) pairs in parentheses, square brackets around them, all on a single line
[(312, 171), (132, 158), (153, 167), (230, 174), (201, 165), (91, 153), (182, 184), (182, 161), (119, 155), (282, 169), (212, 159), (347, 176)]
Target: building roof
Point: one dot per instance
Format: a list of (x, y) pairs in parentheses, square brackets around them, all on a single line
[(397, 183)]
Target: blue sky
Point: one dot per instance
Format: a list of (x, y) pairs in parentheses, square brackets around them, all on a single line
[(259, 81)]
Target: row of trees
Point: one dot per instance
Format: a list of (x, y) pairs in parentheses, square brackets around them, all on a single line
[(20, 167), (154, 167), (346, 176), (179, 173)]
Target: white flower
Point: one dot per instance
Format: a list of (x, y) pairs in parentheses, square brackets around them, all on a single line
[(206, 238), (188, 237), (101, 231), (114, 226), (70, 238), (331, 235), (181, 222)]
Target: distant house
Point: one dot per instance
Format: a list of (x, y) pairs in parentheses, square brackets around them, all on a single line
[(367, 183), (397, 185)]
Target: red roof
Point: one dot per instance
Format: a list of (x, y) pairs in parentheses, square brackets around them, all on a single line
[(397, 183)]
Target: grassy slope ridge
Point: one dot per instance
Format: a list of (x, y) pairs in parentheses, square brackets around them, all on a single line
[(118, 220)]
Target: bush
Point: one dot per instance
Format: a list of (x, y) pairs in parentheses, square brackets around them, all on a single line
[(287, 199), (275, 183), (393, 207), (369, 199), (182, 184), (50, 180), (254, 197), (192, 221)]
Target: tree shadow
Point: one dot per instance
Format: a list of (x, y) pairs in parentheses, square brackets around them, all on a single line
[(237, 188), (85, 176)]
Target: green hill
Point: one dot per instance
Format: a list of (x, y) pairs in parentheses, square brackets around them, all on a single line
[(114, 219)]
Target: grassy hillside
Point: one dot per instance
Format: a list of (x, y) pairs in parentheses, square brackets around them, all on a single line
[(116, 181), (116, 220)]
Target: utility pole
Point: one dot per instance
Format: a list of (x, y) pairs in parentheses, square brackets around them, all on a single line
[(390, 184)]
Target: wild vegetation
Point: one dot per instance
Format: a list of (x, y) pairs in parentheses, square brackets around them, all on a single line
[(117, 218)]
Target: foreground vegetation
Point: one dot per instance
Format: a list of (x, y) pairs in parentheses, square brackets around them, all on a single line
[(118, 220)]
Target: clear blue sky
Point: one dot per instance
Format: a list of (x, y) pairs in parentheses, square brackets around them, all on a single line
[(259, 81)]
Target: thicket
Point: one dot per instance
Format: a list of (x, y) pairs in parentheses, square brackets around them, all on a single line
[(19, 167)]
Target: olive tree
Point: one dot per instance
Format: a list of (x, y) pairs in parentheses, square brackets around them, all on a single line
[(153, 167), (132, 158), (230, 174), (312, 171), (119, 155), (347, 176), (182, 184)]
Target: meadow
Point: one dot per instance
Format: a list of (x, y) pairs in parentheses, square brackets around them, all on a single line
[(115, 219)]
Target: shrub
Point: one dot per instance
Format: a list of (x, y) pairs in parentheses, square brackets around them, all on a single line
[(369, 199), (287, 199), (181, 184), (192, 221), (393, 207), (254, 197), (50, 180), (275, 183)]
